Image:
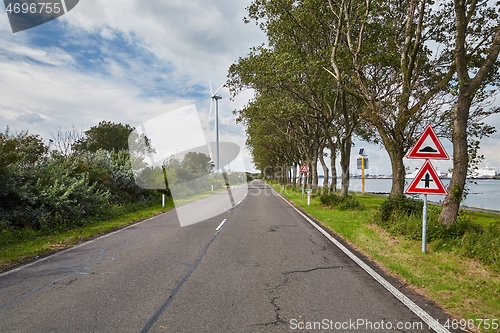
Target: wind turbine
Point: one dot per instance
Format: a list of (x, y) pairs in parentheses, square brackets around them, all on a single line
[(214, 96)]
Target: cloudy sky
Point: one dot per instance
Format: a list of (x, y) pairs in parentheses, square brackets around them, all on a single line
[(130, 61), (124, 61)]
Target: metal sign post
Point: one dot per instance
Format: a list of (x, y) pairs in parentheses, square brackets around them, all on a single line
[(303, 170), (424, 224), (363, 174), (303, 183)]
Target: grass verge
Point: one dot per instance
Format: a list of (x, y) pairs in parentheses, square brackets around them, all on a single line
[(464, 287), (18, 246)]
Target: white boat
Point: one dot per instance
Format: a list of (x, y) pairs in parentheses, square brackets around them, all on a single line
[(484, 173), (414, 174)]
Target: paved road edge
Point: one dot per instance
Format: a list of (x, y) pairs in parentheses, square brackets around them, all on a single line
[(417, 310)]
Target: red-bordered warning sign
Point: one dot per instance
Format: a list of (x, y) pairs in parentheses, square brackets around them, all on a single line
[(304, 168), (428, 146), (426, 182)]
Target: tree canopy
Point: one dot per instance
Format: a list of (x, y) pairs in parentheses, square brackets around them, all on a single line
[(106, 135)]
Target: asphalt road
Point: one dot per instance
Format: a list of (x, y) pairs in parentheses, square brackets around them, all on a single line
[(265, 270)]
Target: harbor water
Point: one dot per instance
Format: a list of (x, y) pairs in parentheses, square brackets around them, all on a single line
[(482, 193)]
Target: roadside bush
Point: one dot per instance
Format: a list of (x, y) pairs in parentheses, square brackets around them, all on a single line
[(51, 191), (401, 205), (406, 220), (403, 217), (39, 190), (472, 240), (112, 172), (55, 195), (181, 191), (342, 203), (403, 224)]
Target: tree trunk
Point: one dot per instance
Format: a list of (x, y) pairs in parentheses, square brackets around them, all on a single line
[(452, 201), (300, 179), (294, 174), (325, 172), (314, 175), (333, 166), (345, 161), (398, 171)]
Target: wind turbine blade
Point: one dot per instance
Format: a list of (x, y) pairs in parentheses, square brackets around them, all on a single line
[(218, 89), (210, 83)]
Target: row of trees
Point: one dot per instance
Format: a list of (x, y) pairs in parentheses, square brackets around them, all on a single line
[(377, 70)]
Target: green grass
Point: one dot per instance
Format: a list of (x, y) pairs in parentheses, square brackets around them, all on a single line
[(484, 219), (200, 195), (464, 287), (18, 246)]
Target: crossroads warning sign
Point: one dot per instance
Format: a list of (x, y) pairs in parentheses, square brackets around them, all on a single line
[(426, 182), (428, 146)]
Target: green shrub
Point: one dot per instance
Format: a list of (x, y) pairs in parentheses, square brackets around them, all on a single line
[(342, 203), (401, 204), (403, 217), (471, 240), (408, 223)]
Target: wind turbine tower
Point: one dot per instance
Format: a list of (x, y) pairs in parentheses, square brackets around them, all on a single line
[(216, 97)]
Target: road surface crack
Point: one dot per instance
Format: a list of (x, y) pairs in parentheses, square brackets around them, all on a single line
[(274, 302), (311, 270), (278, 320), (245, 264)]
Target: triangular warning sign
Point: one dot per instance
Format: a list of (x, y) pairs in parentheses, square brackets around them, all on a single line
[(428, 146), (304, 169), (426, 182)]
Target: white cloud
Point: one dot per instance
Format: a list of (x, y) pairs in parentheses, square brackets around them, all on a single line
[(124, 61), (30, 118), (51, 56), (198, 37), (490, 147), (64, 97)]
